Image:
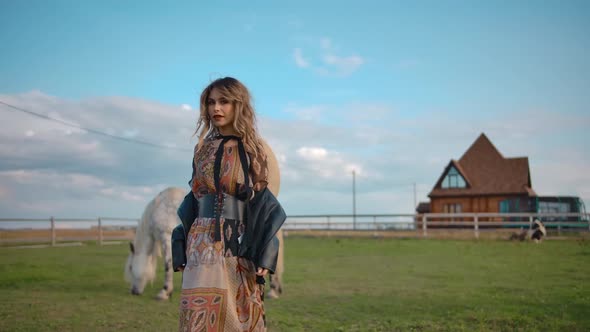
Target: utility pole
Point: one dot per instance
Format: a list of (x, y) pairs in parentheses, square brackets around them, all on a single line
[(353, 200), (415, 197)]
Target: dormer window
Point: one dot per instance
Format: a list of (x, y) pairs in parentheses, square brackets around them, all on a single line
[(453, 179)]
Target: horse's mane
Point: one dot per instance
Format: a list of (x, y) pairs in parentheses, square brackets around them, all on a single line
[(143, 235), (146, 245)]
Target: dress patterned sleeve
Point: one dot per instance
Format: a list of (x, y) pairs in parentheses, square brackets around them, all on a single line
[(259, 172)]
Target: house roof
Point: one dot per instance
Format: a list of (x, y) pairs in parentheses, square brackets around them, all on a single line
[(458, 167), (487, 172), (423, 207)]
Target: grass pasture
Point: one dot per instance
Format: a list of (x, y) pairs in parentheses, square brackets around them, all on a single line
[(331, 284)]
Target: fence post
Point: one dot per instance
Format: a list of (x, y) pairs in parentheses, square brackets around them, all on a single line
[(476, 226), (52, 231), (530, 222), (559, 228), (424, 225), (99, 231)]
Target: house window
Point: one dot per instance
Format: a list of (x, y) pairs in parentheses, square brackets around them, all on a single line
[(554, 207), (453, 179), (452, 208)]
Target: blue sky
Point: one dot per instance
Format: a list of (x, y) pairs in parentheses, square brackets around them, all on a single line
[(394, 90)]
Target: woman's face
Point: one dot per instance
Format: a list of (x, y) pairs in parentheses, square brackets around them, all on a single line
[(221, 112)]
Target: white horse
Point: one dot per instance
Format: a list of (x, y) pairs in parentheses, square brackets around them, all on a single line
[(152, 237)]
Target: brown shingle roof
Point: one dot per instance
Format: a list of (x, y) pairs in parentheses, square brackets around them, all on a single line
[(486, 172), (423, 207)]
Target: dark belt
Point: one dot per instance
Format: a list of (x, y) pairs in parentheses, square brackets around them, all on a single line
[(220, 204), (230, 207)]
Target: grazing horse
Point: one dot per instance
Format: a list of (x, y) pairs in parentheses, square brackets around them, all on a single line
[(153, 235)]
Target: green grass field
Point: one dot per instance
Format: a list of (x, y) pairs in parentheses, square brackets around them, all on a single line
[(331, 284)]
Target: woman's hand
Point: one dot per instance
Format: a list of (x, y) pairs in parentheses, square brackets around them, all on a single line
[(261, 272)]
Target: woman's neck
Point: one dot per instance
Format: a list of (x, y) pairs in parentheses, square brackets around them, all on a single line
[(225, 131)]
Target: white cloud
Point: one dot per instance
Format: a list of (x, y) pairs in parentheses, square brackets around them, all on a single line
[(107, 191), (391, 152), (46, 208), (66, 194), (307, 113), (83, 180), (134, 194), (333, 63), (299, 60), (345, 65), (147, 190), (327, 164), (312, 153), (131, 197), (186, 107), (52, 179), (65, 164), (85, 175)]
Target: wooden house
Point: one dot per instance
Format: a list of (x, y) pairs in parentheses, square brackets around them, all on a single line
[(483, 180)]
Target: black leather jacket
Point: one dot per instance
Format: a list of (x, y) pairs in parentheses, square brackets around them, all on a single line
[(264, 216)]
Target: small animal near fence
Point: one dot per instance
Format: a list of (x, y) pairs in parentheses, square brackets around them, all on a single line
[(103, 229)]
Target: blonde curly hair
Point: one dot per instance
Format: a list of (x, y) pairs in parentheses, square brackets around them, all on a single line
[(244, 120)]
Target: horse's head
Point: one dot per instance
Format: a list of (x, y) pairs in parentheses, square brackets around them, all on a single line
[(139, 270)]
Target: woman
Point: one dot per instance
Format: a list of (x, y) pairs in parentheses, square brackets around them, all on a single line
[(230, 243)]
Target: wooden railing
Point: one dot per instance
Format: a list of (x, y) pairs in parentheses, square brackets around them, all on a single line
[(55, 230), (560, 222)]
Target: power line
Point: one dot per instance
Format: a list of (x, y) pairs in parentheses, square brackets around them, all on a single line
[(94, 131)]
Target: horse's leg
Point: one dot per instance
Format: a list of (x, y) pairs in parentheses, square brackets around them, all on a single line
[(276, 280), (168, 277)]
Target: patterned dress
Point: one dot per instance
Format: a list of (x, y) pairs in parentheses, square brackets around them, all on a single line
[(219, 289)]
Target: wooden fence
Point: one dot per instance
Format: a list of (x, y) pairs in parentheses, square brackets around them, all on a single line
[(423, 223), (55, 230)]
